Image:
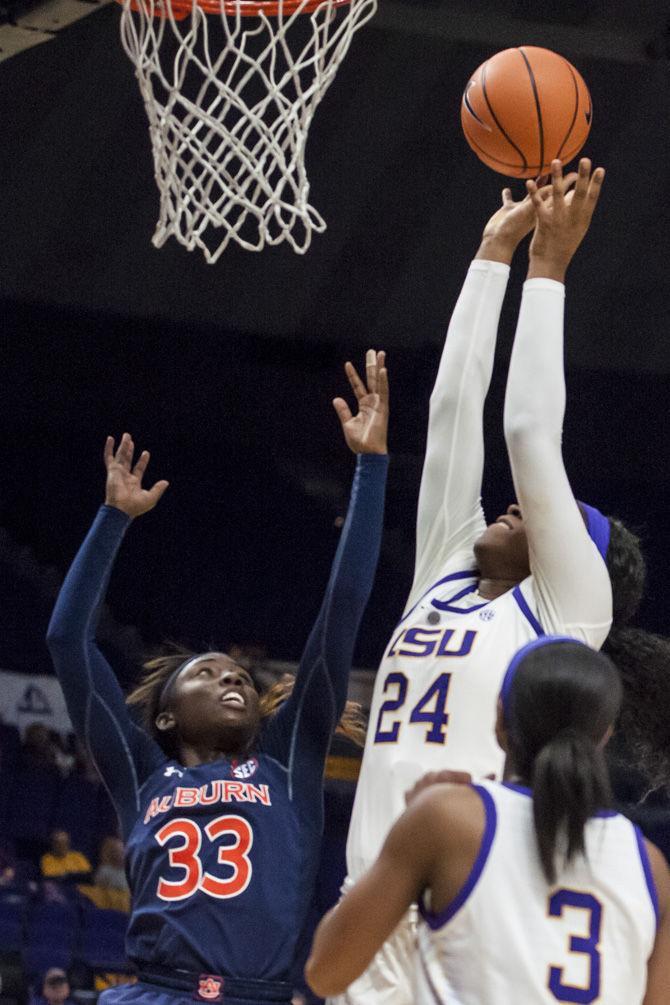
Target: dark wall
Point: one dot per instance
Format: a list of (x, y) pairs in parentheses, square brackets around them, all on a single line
[(239, 548), (403, 195)]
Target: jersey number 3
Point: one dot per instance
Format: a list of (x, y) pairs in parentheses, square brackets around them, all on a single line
[(430, 709), (583, 945), (185, 856)]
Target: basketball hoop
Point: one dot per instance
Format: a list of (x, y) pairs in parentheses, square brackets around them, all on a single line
[(230, 88)]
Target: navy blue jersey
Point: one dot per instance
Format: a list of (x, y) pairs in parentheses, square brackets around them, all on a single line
[(222, 856)]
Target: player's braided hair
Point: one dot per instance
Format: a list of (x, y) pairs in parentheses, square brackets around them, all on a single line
[(160, 667), (627, 571), (643, 661), (146, 696), (352, 724)]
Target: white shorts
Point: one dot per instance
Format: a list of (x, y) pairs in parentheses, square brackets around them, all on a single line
[(389, 980)]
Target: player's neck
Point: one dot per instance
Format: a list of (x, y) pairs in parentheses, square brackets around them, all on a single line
[(191, 755), (490, 588), (511, 774)]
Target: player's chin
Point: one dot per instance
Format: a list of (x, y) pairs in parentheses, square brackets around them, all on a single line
[(493, 537), (232, 713), (241, 717)]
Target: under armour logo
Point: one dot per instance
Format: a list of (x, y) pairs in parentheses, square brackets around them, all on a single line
[(173, 771)]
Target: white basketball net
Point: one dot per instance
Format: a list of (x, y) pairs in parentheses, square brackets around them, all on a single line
[(229, 127)]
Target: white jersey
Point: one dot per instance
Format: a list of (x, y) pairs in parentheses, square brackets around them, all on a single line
[(510, 937), (434, 701)]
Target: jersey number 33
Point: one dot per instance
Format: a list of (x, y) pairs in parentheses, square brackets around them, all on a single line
[(186, 838)]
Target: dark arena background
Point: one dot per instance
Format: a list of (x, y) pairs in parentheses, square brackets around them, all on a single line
[(226, 372)]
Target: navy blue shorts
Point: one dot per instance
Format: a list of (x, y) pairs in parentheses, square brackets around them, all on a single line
[(241, 993)]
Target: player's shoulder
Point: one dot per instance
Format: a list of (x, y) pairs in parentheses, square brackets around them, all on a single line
[(442, 820), (455, 811), (457, 571), (523, 604)]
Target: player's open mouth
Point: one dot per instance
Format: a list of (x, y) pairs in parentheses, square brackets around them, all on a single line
[(233, 698)]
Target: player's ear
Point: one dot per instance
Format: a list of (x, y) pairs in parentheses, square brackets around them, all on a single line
[(165, 721), (501, 732)]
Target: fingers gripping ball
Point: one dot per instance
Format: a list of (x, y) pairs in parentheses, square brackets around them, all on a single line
[(523, 108)]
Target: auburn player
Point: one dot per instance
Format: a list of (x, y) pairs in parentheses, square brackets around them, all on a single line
[(480, 593), (531, 890), (221, 808)]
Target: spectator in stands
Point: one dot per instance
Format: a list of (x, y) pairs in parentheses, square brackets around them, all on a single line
[(64, 758), (62, 862), (110, 871), (84, 763), (10, 745), (55, 988), (7, 867), (38, 747), (253, 656), (110, 888)]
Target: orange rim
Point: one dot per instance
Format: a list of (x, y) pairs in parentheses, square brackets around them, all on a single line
[(246, 8)]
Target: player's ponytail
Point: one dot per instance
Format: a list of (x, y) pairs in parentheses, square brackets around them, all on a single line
[(559, 700), (570, 784)]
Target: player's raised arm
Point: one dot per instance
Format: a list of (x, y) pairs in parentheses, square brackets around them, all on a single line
[(571, 580), (122, 752), (302, 730), (450, 517)]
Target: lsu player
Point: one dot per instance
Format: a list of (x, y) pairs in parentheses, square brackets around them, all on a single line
[(221, 808), (480, 593), (531, 890)]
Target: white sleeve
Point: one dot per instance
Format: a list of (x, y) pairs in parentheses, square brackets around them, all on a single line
[(570, 579), (450, 517)]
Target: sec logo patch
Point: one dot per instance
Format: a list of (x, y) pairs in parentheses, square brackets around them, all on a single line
[(244, 770)]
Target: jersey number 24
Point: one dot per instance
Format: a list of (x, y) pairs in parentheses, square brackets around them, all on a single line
[(431, 709)]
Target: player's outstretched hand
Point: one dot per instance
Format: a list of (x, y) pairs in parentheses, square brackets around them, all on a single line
[(365, 432), (514, 220), (563, 220), (124, 482), (437, 778)]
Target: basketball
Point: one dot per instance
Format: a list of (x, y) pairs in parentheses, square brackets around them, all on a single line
[(523, 108)]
